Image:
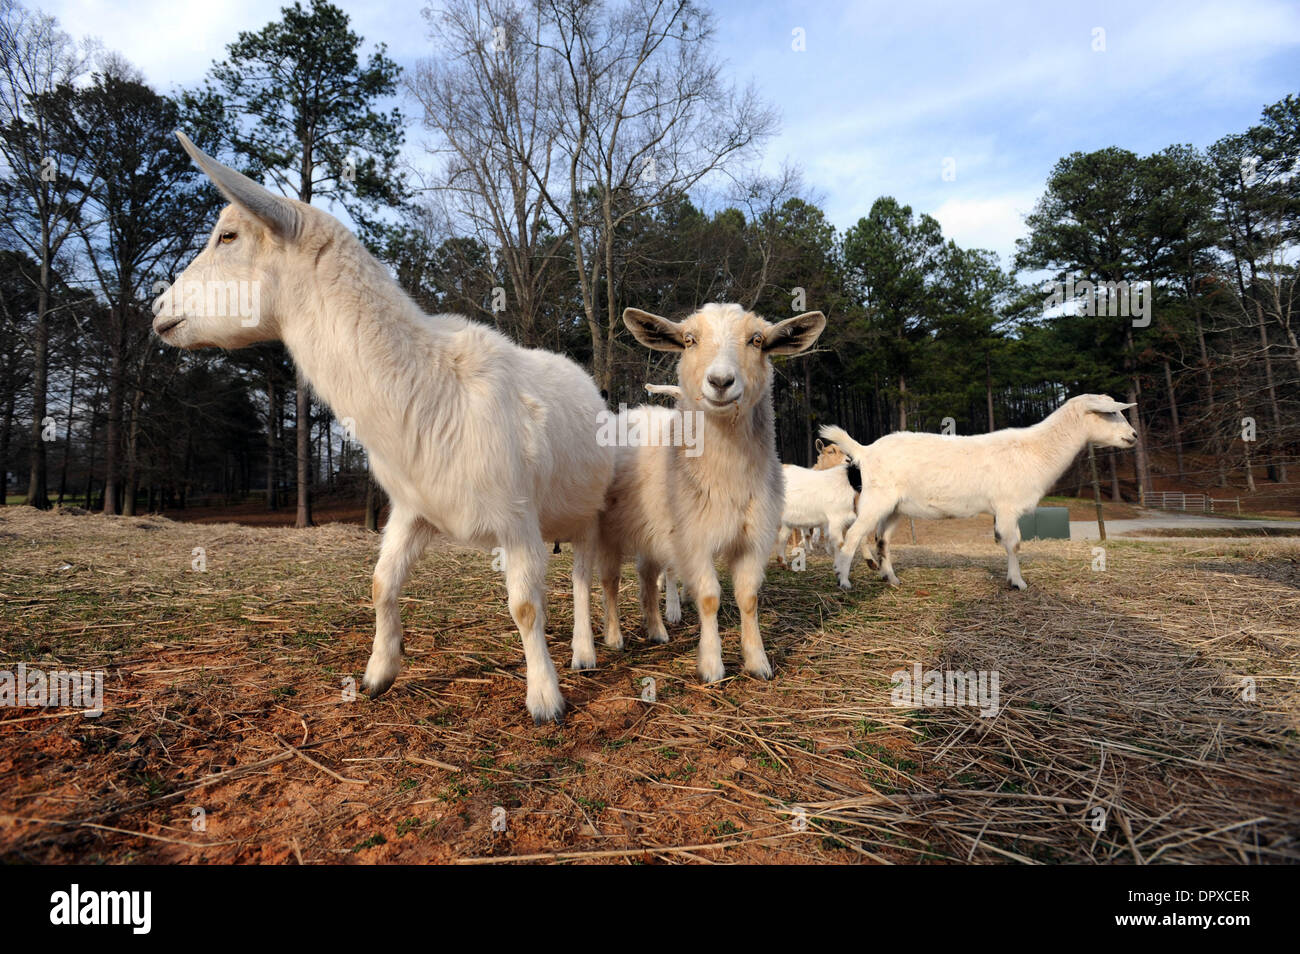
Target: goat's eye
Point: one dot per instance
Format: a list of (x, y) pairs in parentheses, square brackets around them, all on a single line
[(689, 340), (226, 238), (757, 340)]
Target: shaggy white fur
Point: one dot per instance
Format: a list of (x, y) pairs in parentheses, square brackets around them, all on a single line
[(426, 395)]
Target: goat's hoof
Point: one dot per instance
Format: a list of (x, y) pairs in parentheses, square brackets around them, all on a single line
[(1018, 584), (709, 673), (583, 662), (845, 585), (673, 618), (658, 638), (546, 706), (762, 670), (615, 644), (379, 678)]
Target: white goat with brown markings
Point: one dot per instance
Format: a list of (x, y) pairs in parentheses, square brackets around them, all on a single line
[(687, 507)]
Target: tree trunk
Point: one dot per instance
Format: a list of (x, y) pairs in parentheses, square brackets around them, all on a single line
[(988, 391), (67, 435), (90, 464), (1278, 467), (132, 486), (902, 402), (37, 493), (116, 402), (1115, 494), (1096, 490), (6, 427), (304, 453), (271, 414), (329, 450), (1173, 418), (1141, 460), (808, 411)]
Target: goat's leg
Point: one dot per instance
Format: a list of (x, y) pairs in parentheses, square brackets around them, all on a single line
[(1006, 528), (610, 564), (405, 536), (707, 594), (584, 645), (868, 518), (835, 528), (783, 541), (526, 591), (884, 557), (747, 578), (648, 572), (672, 600)]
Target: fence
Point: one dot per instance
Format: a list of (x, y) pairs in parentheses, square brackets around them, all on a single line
[(1192, 503)]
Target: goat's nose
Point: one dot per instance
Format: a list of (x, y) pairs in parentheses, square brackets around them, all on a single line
[(722, 381)]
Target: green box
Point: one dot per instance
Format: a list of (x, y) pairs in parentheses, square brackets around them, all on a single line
[(1046, 523)]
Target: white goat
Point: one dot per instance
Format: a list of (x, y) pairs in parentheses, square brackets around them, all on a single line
[(426, 394), (1004, 474), (672, 506), (814, 499)]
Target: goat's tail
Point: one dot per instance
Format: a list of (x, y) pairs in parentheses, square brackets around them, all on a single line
[(838, 435)]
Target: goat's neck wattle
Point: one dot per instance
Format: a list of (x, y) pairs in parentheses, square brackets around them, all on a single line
[(352, 338)]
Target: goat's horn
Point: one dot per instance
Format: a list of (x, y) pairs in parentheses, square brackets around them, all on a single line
[(278, 214)]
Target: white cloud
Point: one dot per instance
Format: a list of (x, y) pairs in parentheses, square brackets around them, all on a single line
[(993, 223), (173, 43)]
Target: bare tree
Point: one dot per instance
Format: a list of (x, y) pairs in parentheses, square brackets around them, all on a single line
[(641, 116), (42, 178), (483, 101)]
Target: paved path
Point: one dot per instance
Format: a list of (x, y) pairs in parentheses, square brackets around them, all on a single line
[(1160, 520)]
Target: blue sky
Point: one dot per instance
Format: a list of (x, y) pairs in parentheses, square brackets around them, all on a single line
[(884, 93)]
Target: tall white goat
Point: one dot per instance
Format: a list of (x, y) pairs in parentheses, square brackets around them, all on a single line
[(426, 394), (670, 506), (1006, 473)]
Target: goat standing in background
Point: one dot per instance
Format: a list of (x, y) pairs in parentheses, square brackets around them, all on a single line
[(1005, 473), (815, 499), (668, 507), (427, 394)]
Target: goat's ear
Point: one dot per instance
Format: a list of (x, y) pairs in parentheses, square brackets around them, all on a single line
[(794, 335), (272, 210), (658, 334), (819, 445), (1104, 404)]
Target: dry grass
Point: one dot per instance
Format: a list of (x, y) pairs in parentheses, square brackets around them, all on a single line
[(1120, 691)]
